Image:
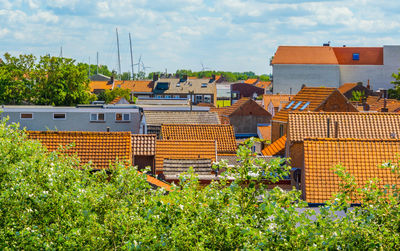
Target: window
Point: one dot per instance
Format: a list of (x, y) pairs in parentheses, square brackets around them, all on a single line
[(304, 106), (26, 115), (203, 85), (356, 56), (159, 96), (178, 84), (199, 98), (207, 98), (280, 130), (297, 105), (167, 96), (59, 116), (97, 117), (177, 96), (122, 117), (289, 105)]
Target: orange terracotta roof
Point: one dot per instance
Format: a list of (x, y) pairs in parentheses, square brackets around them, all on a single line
[(276, 99), (376, 103), (263, 84), (144, 144), (101, 148), (265, 132), (328, 55), (183, 149), (315, 95), (138, 85), (116, 100), (346, 87), (251, 81), (368, 55), (277, 147), (159, 183), (360, 125), (361, 158), (99, 85), (304, 55), (223, 134)]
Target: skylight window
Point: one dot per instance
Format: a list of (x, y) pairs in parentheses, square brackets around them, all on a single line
[(356, 56), (297, 105), (304, 106), (289, 105), (203, 85)]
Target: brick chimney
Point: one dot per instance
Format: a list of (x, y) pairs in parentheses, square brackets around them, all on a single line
[(384, 109)]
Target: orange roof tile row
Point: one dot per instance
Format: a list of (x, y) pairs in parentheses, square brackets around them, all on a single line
[(251, 81), (376, 103), (99, 85), (133, 85), (349, 124), (346, 87), (328, 55), (265, 132), (101, 148), (144, 144), (276, 99), (183, 149), (315, 95), (277, 147), (362, 159), (223, 134)]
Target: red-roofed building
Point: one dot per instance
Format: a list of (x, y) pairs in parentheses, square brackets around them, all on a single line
[(295, 66)]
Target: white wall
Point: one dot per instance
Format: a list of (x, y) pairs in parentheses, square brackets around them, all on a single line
[(379, 76), (294, 76)]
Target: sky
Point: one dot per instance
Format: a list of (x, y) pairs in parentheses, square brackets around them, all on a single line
[(227, 35)]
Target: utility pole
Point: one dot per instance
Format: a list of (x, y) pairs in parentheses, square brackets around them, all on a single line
[(119, 58), (130, 44), (97, 61)]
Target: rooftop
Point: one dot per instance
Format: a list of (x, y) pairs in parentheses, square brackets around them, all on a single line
[(328, 55), (144, 144), (361, 157), (170, 117), (359, 125), (276, 148), (222, 134)]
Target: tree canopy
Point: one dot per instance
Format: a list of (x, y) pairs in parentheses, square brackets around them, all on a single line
[(49, 203), (49, 81)]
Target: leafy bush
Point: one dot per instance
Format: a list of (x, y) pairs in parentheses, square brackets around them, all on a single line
[(46, 202)]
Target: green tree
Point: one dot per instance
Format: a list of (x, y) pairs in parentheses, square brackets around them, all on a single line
[(59, 81), (110, 95), (15, 79), (357, 96), (395, 92)]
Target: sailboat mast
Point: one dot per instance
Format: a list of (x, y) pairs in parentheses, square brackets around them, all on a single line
[(119, 58), (130, 44)]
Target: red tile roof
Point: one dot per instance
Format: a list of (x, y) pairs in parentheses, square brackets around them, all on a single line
[(328, 55), (184, 149), (276, 99), (101, 148), (99, 85), (346, 87), (251, 81), (376, 103), (315, 95), (144, 144), (276, 148), (138, 86), (358, 125), (223, 134), (361, 157), (263, 84), (265, 132)]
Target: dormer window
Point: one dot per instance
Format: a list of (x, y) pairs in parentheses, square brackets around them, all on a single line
[(289, 105), (356, 56), (203, 85), (297, 105)]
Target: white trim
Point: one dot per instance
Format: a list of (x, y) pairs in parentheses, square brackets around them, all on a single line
[(122, 113), (97, 116), (20, 117), (65, 116)]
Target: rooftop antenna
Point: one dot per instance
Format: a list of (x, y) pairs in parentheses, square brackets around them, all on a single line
[(119, 58), (97, 63), (130, 45)]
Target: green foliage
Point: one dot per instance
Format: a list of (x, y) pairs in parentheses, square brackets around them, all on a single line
[(357, 96), (229, 76), (395, 92), (50, 81), (48, 203), (110, 95)]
